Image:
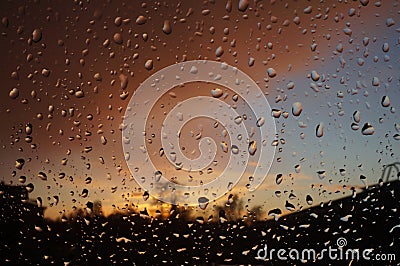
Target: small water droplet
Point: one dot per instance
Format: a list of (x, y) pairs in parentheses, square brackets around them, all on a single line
[(385, 101), (321, 174), (309, 200), (260, 122), (271, 72), (157, 176), (203, 202), (217, 92), (356, 116), (146, 195), (36, 35), (319, 131), (42, 176), (297, 108), (149, 64), (14, 93), (167, 28), (367, 129), (252, 147), (276, 113), (279, 179)]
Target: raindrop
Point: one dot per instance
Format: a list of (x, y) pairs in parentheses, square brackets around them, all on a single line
[(42, 176), (356, 116), (28, 129), (375, 81), (278, 179), (297, 168), (314, 75), (297, 108), (217, 92), (321, 174), (39, 202), (219, 51), (22, 179), (252, 147), (307, 10), (342, 171), (243, 4), (276, 113), (203, 202), (289, 206), (30, 187), (149, 64), (235, 149), (36, 35), (260, 122), (146, 195), (14, 93), (367, 129), (238, 120), (224, 146), (118, 38), (167, 29), (309, 200), (157, 176), (385, 101), (19, 163), (140, 20), (319, 131), (271, 72)]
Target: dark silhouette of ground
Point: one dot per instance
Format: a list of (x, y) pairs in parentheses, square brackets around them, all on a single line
[(367, 220)]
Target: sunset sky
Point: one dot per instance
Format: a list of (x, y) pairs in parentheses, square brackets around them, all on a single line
[(70, 69)]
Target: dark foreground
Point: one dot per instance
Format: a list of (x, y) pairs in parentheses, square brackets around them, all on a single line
[(367, 221)]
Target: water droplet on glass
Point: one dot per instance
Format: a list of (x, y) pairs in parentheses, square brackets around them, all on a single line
[(276, 113), (167, 29), (149, 64), (157, 176), (279, 179), (314, 75), (14, 93), (36, 35), (375, 81), (146, 195), (356, 116), (243, 4), (19, 163), (140, 20), (321, 174), (30, 187), (203, 202), (297, 168), (252, 147), (297, 108), (271, 72), (309, 200), (219, 51), (385, 101), (238, 120), (319, 131), (42, 176), (367, 129), (217, 92), (289, 206), (118, 38), (260, 121), (224, 146)]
